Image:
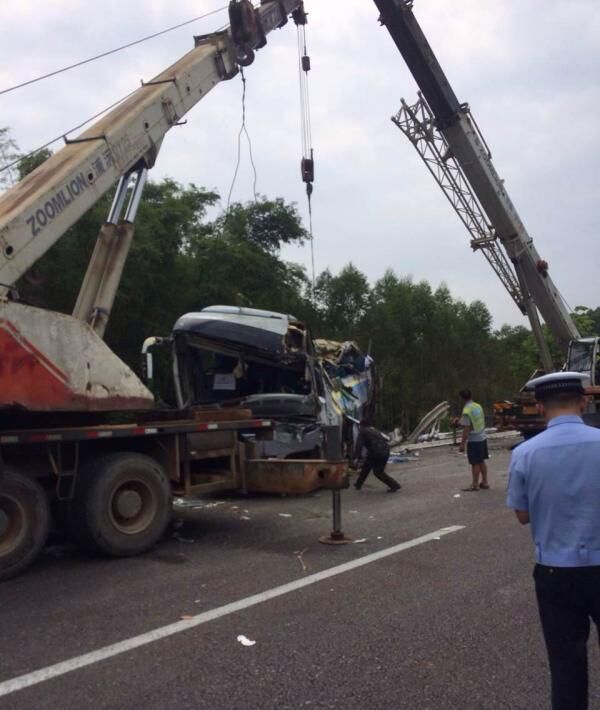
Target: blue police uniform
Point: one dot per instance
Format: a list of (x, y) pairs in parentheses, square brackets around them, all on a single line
[(556, 478)]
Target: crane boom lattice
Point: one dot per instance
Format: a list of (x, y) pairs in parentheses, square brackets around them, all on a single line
[(418, 124)]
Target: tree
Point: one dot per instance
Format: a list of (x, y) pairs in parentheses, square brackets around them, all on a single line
[(427, 344), (9, 153), (236, 259), (152, 292), (266, 224), (342, 300), (587, 320), (178, 263), (29, 163)]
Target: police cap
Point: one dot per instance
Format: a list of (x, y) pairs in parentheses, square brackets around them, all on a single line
[(558, 383)]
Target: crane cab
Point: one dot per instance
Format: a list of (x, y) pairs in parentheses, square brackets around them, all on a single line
[(584, 357)]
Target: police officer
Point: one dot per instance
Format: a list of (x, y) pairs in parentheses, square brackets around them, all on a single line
[(378, 452), (555, 486)]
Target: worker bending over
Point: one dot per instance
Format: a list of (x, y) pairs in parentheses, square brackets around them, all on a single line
[(378, 453)]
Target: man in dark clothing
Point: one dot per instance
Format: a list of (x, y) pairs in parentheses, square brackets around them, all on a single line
[(378, 452)]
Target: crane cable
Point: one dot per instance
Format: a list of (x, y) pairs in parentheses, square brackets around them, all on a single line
[(62, 136), (109, 52), (308, 163), (243, 131)]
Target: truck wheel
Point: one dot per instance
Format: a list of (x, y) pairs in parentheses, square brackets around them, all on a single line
[(24, 522), (122, 504)]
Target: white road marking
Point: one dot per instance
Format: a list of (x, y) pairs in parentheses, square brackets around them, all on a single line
[(101, 654)]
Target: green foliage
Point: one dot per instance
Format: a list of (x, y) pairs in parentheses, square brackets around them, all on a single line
[(29, 163), (427, 345), (342, 300), (9, 152), (587, 320), (265, 224), (153, 289)]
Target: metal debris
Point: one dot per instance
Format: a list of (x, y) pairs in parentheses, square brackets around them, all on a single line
[(300, 558), (401, 458)]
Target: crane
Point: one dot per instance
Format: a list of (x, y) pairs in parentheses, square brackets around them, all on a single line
[(447, 137), (57, 362)]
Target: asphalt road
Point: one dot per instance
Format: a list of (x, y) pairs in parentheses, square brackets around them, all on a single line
[(447, 624)]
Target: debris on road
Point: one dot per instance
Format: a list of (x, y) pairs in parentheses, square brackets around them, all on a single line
[(362, 539), (184, 540), (401, 458), (300, 557), (456, 495), (245, 641), (195, 504), (285, 515)]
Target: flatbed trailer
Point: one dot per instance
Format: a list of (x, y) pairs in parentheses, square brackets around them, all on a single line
[(110, 486)]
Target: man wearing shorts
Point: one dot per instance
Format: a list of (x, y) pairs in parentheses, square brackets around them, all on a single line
[(474, 439)]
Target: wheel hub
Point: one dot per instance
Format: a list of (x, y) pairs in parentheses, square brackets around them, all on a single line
[(128, 504), (133, 507)]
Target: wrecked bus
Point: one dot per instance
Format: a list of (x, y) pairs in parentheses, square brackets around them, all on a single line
[(268, 363)]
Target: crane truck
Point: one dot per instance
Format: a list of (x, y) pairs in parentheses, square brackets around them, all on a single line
[(447, 138), (81, 437), (80, 433)]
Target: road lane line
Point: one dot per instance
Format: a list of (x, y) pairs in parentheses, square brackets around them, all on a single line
[(88, 659)]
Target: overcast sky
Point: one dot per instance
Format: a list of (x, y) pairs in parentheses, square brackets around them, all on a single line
[(530, 70)]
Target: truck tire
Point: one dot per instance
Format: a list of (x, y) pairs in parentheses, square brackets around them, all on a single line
[(24, 522), (122, 504)]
